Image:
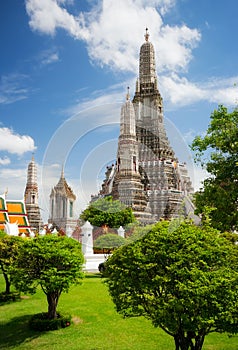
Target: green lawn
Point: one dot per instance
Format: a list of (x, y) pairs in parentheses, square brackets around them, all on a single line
[(96, 326)]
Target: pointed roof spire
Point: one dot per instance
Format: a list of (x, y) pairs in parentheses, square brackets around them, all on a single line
[(128, 93), (63, 186), (146, 34), (62, 172)]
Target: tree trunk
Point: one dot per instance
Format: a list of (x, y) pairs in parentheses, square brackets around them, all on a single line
[(8, 283), (183, 342), (199, 342), (52, 299), (176, 340)]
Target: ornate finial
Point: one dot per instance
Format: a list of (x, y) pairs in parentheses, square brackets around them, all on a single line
[(128, 93), (33, 157), (62, 171), (146, 34)]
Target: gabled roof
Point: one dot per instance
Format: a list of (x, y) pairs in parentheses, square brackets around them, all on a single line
[(14, 211), (63, 188)]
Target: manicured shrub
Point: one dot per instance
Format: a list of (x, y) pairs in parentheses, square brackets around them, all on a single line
[(41, 322)]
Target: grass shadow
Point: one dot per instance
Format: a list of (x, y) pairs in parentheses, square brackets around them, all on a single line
[(2, 303), (93, 275), (16, 332)]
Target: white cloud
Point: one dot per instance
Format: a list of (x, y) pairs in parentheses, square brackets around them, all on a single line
[(13, 88), (176, 90), (49, 56), (117, 32), (14, 181), (15, 143), (5, 161), (47, 15), (179, 41), (113, 30), (105, 98), (222, 90), (180, 91), (165, 5)]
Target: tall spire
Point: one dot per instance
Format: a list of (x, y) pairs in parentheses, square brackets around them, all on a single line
[(147, 73), (127, 123), (127, 184), (32, 173), (31, 196), (156, 156)]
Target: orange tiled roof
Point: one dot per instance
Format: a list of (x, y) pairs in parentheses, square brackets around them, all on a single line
[(3, 217), (13, 211), (16, 207), (17, 213)]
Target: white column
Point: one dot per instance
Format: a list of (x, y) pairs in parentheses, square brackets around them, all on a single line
[(121, 232), (87, 238)]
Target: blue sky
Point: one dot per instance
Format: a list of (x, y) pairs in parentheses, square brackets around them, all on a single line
[(64, 69)]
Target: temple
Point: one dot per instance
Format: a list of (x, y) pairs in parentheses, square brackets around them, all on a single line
[(62, 201), (147, 176)]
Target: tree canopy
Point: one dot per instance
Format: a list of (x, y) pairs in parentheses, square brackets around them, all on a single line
[(217, 151), (185, 280), (51, 262), (109, 212), (9, 249), (109, 242)]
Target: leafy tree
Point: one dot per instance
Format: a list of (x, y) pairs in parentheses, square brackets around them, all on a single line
[(109, 242), (52, 262), (184, 280), (9, 248), (217, 151), (138, 232), (109, 212)]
